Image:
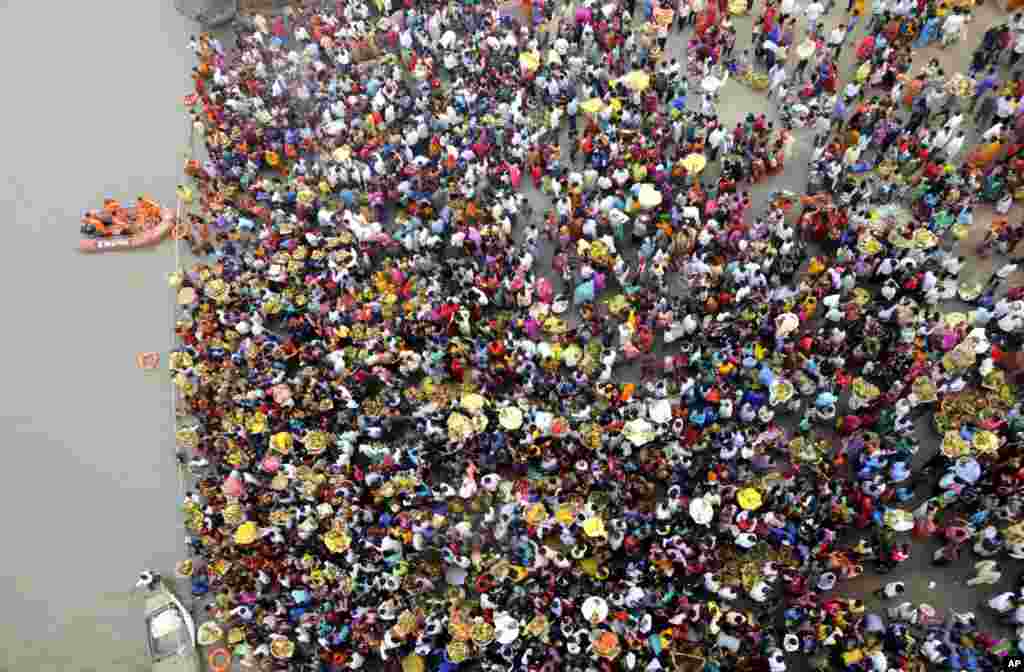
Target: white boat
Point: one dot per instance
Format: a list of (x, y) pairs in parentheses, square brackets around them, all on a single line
[(170, 628)]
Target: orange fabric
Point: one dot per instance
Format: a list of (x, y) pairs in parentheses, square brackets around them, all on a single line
[(97, 224)]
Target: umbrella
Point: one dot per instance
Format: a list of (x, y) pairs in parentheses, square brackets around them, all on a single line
[(209, 633), (825, 399), (616, 215), (506, 628), (584, 292), (592, 106), (701, 511), (980, 339), (648, 196), (868, 244), (636, 80), (459, 427), (953, 445), (638, 432), (925, 239), (595, 609), (660, 411), (543, 421), (246, 534), (186, 296), (594, 527), (781, 391), (985, 442), (529, 60), (510, 417), (694, 163), (473, 402), (899, 520), (968, 469), (617, 304), (711, 83), (785, 324), (749, 499)]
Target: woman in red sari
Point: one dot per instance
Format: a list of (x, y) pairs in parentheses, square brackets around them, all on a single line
[(707, 19), (768, 19)]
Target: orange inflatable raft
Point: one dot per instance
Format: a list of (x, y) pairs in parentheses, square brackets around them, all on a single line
[(115, 228)]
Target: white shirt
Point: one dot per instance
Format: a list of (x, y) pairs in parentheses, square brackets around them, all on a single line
[(995, 131), (1010, 323), (814, 11), (906, 612), (1002, 602), (759, 592), (893, 589), (954, 146), (746, 540), (953, 23)]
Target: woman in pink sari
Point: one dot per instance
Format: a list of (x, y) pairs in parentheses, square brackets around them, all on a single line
[(515, 174)]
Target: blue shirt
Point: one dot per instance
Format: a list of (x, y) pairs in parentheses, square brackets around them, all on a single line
[(984, 85), (839, 110)]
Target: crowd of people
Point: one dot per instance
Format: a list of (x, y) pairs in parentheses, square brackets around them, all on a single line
[(431, 424)]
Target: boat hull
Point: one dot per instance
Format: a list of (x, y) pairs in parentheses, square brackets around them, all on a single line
[(145, 239), (170, 633)]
